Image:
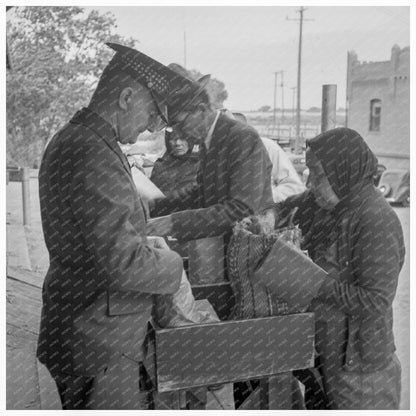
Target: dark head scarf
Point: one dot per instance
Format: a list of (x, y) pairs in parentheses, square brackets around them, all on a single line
[(188, 154), (348, 162), (349, 165)]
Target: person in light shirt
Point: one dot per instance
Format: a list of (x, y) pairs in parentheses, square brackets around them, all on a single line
[(285, 180)]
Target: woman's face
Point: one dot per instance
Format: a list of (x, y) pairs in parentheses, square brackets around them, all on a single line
[(178, 145), (318, 183)]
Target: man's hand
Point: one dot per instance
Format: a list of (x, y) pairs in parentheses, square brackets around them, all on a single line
[(161, 226), (157, 242)]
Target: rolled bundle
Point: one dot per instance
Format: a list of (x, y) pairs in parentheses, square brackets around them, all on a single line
[(249, 245)]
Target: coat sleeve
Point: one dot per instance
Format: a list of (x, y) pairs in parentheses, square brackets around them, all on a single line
[(301, 205), (377, 257), (185, 198), (285, 180), (248, 182), (110, 218)]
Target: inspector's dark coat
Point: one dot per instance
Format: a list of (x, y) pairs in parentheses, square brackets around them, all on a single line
[(233, 182), (97, 294)]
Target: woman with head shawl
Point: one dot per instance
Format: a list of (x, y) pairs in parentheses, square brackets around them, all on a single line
[(178, 167), (355, 236)]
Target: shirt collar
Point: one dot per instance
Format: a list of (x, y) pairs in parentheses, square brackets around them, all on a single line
[(208, 139)]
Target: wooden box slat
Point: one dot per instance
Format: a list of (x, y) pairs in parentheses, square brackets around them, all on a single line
[(200, 355)]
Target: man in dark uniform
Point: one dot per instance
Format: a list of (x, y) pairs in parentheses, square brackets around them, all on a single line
[(234, 177), (104, 271)]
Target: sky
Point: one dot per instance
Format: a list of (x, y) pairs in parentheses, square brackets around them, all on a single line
[(243, 46)]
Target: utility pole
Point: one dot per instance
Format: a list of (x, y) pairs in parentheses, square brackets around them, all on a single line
[(293, 103), (184, 48), (184, 36), (281, 73), (298, 144), (283, 94), (274, 100)]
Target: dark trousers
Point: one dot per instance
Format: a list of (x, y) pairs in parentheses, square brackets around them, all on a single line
[(119, 386), (74, 391)]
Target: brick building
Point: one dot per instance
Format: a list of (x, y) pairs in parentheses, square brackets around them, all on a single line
[(378, 105)]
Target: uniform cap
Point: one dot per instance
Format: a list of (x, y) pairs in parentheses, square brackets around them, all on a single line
[(147, 71)]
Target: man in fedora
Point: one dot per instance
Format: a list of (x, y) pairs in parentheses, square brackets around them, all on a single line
[(104, 271), (234, 177)]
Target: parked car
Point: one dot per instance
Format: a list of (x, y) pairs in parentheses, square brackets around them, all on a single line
[(395, 186), (380, 169)]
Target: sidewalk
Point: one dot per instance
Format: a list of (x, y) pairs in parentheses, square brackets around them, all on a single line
[(29, 385)]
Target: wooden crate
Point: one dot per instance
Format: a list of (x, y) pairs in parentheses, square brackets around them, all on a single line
[(201, 355)]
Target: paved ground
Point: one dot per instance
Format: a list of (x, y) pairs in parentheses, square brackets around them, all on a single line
[(401, 311), (29, 385)]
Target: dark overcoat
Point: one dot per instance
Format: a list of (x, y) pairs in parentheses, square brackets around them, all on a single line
[(97, 294), (233, 183), (353, 309)]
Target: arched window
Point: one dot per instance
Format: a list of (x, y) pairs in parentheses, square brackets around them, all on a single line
[(375, 114)]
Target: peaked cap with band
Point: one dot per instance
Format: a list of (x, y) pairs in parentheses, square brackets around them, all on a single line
[(170, 90)]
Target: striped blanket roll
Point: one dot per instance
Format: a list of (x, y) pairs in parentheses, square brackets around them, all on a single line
[(247, 248)]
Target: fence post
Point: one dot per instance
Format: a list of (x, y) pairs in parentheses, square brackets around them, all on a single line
[(329, 107), (26, 195)]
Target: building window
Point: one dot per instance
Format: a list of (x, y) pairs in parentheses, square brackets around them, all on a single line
[(375, 114)]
